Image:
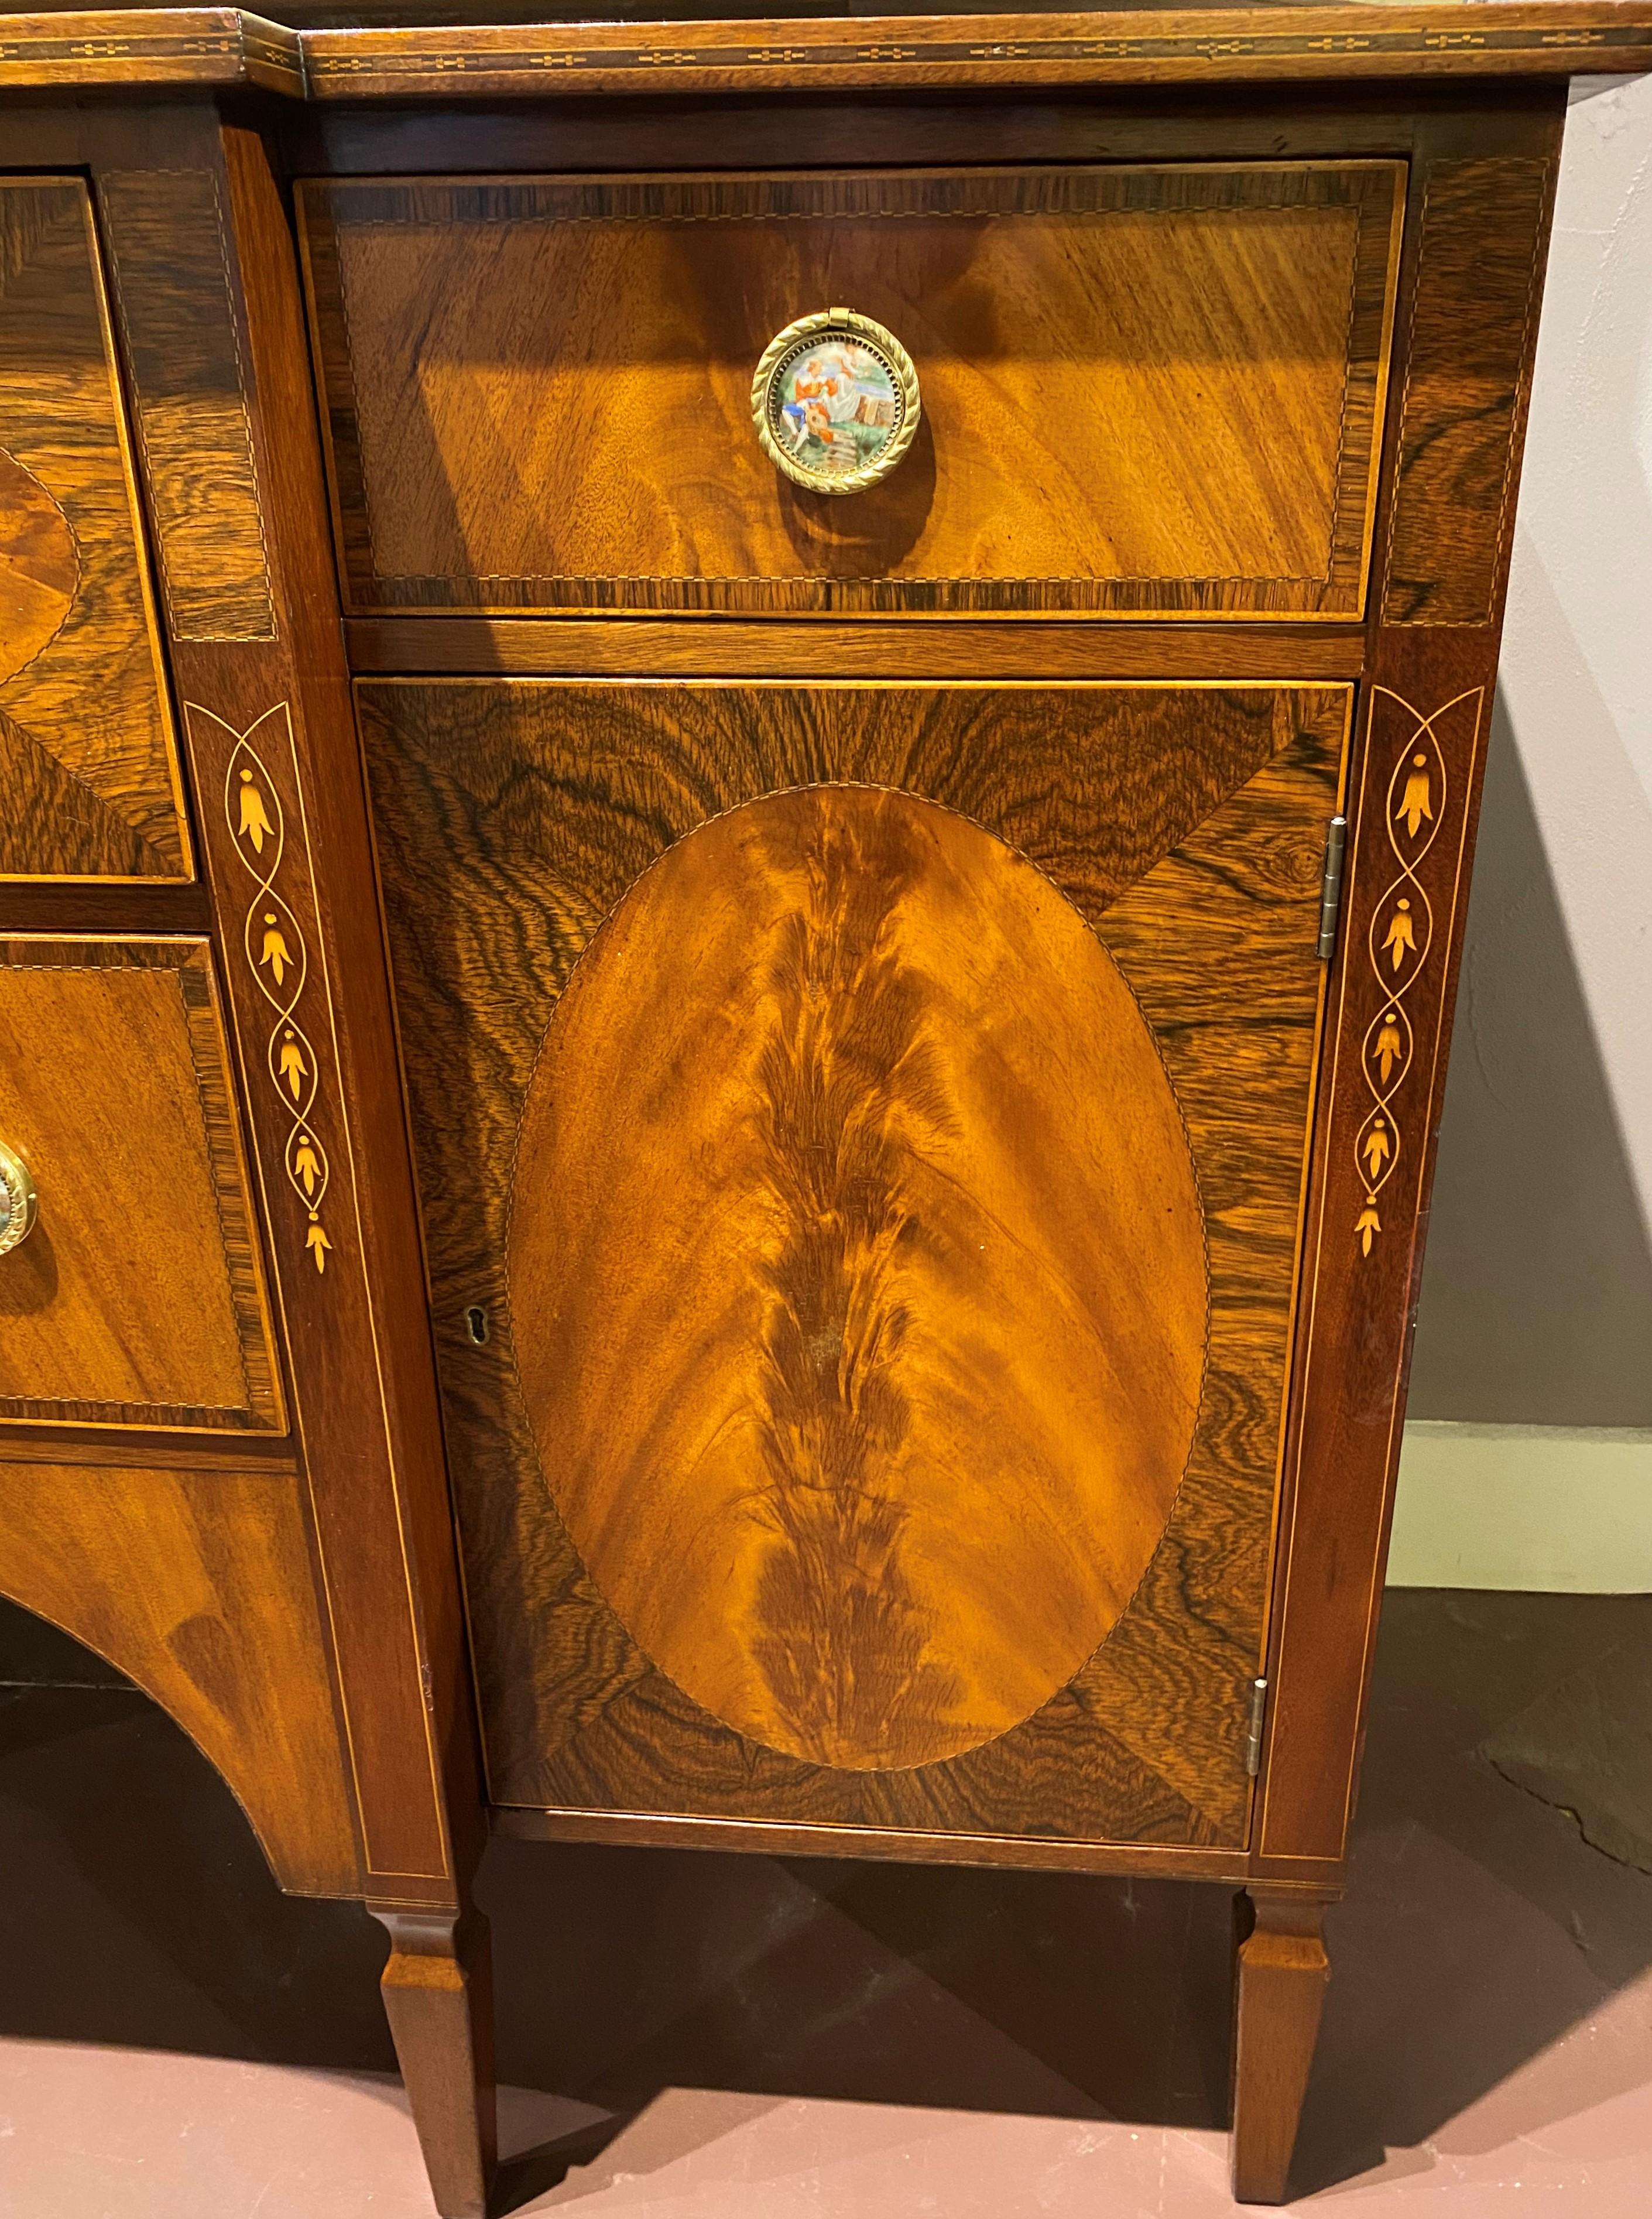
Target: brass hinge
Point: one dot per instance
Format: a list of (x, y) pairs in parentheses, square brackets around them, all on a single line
[(1336, 840), (1253, 1738)]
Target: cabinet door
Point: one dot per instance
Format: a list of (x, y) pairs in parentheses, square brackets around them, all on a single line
[(861, 1133)]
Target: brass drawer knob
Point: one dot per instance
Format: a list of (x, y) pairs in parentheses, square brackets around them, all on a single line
[(19, 1206), (835, 401)]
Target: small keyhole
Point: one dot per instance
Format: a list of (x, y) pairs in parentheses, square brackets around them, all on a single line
[(476, 1321)]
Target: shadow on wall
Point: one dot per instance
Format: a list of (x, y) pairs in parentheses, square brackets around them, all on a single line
[(1537, 1293)]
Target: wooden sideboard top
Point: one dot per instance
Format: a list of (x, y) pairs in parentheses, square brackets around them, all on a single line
[(387, 52)]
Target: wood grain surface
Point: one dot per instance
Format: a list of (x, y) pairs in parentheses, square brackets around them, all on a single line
[(1483, 239), (198, 1584), (890, 648), (937, 130), (135, 47), (40, 564), (168, 259), (354, 1313), (86, 748), (1144, 389), (74, 905), (1279, 1993), (729, 50), (438, 1986), (1389, 1022), (1150, 45), (1185, 825), (139, 1297), (857, 1276)]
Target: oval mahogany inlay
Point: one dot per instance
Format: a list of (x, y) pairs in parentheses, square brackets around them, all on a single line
[(40, 567), (857, 1276)]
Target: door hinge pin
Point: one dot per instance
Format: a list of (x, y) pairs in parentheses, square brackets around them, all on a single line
[(1253, 1738), (1336, 840)]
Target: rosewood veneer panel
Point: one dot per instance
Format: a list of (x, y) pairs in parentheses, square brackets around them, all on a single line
[(172, 275), (1483, 233)]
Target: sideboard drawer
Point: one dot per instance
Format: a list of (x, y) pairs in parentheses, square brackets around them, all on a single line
[(137, 1296), (1149, 391)]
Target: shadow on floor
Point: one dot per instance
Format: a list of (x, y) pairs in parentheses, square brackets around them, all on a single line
[(1481, 1921)]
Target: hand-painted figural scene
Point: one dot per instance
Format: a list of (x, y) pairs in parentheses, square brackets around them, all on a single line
[(835, 405)]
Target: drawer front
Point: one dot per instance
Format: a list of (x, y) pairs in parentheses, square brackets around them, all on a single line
[(1152, 391), (860, 1136), (87, 748), (138, 1298)]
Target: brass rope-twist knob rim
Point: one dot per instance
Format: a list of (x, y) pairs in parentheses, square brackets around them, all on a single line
[(807, 427), (19, 1205)]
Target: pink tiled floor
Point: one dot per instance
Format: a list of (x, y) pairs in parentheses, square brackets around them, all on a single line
[(101, 2133), (145, 2135), (741, 2039)]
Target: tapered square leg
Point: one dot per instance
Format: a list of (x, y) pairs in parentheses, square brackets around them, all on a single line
[(1280, 1991), (438, 1997)]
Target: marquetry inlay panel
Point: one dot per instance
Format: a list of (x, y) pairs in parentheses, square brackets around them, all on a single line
[(1405, 938), (275, 954)]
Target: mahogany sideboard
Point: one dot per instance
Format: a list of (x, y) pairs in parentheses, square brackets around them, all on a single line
[(719, 1044)]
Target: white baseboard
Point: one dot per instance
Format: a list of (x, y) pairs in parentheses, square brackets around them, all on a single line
[(1549, 1508)]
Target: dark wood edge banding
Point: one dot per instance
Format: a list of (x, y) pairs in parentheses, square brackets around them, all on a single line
[(901, 1846), (118, 907), (713, 647), (1453, 39), (222, 45), (144, 1448), (1485, 38)]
